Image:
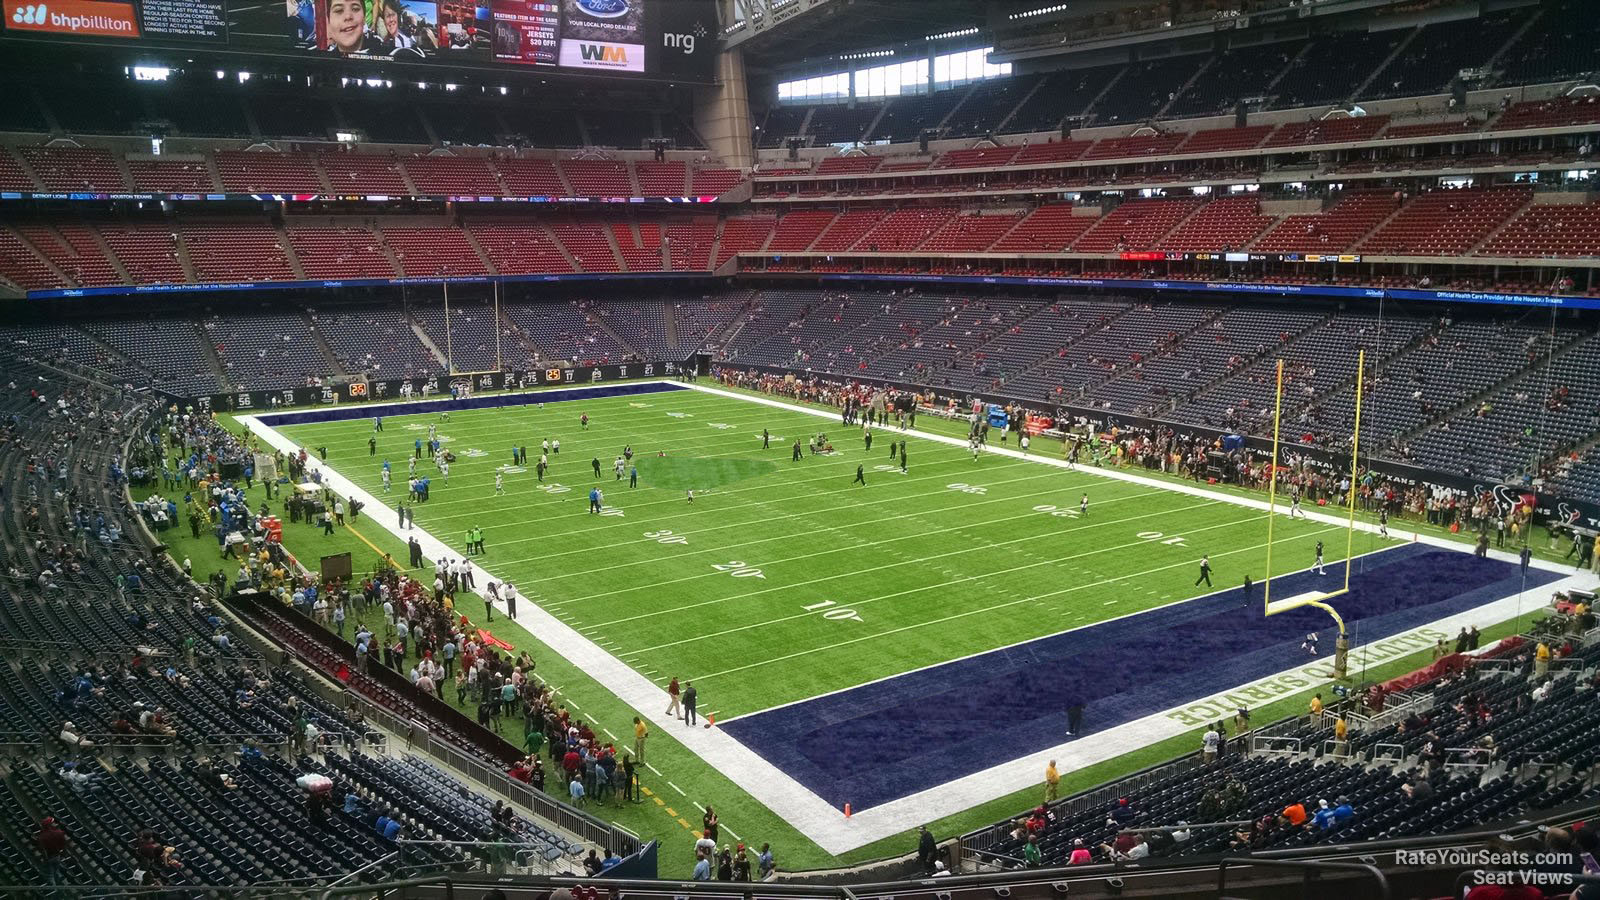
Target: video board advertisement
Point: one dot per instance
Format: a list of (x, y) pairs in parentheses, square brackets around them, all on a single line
[(175, 21), (674, 39)]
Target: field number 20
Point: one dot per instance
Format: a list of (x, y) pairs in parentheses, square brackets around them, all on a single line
[(738, 569), (666, 537)]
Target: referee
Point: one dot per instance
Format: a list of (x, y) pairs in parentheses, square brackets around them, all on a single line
[(1205, 571), (861, 475)]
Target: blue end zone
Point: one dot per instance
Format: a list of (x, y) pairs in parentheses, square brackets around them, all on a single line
[(443, 403), (882, 741)]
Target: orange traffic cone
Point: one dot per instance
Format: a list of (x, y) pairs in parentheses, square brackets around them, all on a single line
[(710, 721), (847, 810)]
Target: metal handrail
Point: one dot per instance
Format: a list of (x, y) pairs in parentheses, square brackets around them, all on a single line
[(355, 874), (1308, 867)]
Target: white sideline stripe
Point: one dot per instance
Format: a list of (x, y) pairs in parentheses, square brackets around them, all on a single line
[(673, 786), (800, 807)]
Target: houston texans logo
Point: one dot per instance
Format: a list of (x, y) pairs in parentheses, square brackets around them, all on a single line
[(1505, 496)]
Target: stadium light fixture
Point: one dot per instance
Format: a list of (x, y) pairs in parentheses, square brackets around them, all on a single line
[(151, 73), (947, 35), (243, 77), (1041, 11)]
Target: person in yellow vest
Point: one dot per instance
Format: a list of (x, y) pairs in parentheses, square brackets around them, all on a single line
[(1341, 731), (1316, 710), (1052, 782), (1541, 660), (640, 732)]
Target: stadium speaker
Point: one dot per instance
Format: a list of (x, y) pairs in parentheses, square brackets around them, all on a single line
[(1066, 132), (1241, 115), (233, 471), (794, 149), (922, 142), (1458, 92)]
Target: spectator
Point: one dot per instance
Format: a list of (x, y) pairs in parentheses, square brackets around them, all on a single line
[(52, 843), (1080, 854), (927, 849), (1128, 846), (1032, 857)]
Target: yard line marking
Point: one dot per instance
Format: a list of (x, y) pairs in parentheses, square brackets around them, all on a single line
[(722, 492), (722, 548), (731, 833), (979, 577), (698, 806), (610, 735), (653, 769), (892, 565), (875, 502), (1009, 603), (676, 788)]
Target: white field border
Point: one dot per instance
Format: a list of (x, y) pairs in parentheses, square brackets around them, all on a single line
[(798, 805)]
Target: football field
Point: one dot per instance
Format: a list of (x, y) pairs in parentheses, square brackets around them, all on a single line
[(783, 580), (917, 646)]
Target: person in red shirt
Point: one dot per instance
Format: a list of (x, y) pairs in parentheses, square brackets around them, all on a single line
[(52, 842), (571, 762), (672, 699), (1080, 854)]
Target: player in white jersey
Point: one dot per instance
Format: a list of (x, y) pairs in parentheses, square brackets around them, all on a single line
[(386, 480), (499, 483)]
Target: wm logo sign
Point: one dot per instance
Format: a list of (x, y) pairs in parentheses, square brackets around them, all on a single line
[(605, 53)]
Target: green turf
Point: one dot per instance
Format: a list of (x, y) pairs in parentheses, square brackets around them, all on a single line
[(680, 769), (784, 579)]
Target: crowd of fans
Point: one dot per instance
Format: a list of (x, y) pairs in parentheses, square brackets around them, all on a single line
[(1192, 456)]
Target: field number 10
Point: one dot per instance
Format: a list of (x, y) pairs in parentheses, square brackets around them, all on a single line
[(836, 615)]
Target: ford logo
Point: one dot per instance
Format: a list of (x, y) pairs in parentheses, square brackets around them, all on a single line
[(604, 9)]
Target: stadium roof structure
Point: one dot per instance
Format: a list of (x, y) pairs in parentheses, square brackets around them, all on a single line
[(782, 32)]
